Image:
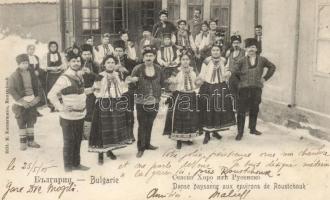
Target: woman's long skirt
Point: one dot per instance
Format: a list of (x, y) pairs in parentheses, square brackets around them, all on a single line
[(182, 119), (216, 107), (109, 129)]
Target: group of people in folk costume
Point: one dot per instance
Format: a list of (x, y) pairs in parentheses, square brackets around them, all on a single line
[(96, 89)]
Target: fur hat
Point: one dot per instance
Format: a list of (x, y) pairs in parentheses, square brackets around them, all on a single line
[(235, 38), (250, 42), (70, 55), (22, 58), (163, 12), (149, 49), (86, 47), (119, 44)]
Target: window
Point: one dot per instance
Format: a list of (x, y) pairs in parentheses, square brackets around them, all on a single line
[(192, 5), (220, 10), (90, 15), (148, 12), (173, 7), (323, 39), (114, 15)]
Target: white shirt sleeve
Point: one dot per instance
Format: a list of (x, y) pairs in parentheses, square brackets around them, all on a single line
[(61, 83)]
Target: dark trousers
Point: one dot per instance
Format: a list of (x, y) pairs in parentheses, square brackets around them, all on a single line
[(72, 136), (248, 101), (146, 115), (130, 116), (25, 117)]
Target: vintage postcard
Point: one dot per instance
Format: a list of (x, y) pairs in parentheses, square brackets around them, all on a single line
[(165, 99)]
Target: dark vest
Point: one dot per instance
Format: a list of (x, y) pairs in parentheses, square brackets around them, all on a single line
[(76, 87), (251, 74), (54, 64)]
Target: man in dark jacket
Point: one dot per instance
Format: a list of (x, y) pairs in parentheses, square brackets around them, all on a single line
[(249, 71), (149, 81), (163, 26), (25, 89)]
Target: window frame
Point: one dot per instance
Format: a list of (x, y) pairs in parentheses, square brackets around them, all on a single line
[(174, 4), (317, 39), (91, 20), (222, 6)]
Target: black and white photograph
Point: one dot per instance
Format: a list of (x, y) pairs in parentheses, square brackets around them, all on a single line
[(165, 99)]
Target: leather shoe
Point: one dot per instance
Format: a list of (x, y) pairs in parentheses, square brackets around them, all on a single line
[(139, 154), (111, 155), (150, 147), (255, 132), (216, 135), (239, 137), (80, 167)]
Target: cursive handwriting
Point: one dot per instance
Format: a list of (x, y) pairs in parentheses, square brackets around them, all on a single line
[(231, 194), (34, 167), (153, 193), (12, 189)]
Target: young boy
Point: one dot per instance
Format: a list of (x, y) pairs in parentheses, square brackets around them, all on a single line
[(249, 71), (27, 92)]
